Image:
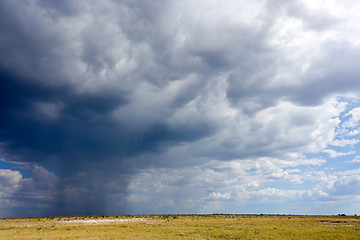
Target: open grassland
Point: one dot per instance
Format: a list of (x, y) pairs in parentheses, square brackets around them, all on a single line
[(183, 227)]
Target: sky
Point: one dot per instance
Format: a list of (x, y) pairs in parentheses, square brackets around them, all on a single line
[(183, 106)]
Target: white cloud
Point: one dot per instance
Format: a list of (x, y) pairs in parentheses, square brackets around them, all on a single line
[(347, 185), (217, 195), (355, 171), (335, 154), (231, 181), (354, 118), (345, 142), (17, 191), (10, 180), (356, 159), (279, 193), (284, 130)]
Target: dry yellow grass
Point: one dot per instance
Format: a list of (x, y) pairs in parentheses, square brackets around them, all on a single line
[(183, 227)]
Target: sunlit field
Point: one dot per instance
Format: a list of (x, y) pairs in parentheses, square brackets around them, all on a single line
[(183, 227)]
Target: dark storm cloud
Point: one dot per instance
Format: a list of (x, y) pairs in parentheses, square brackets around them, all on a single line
[(44, 118), (81, 129), (26, 128), (103, 90), (78, 132)]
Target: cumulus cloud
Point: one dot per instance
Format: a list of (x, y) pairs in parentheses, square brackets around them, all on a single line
[(356, 159), (347, 185), (335, 154), (191, 100), (20, 195), (9, 179), (345, 142)]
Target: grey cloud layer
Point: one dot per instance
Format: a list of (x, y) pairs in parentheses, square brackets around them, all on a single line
[(122, 87)]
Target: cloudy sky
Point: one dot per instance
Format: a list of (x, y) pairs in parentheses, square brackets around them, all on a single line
[(183, 106)]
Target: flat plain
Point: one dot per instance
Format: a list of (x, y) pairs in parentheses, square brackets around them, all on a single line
[(214, 226)]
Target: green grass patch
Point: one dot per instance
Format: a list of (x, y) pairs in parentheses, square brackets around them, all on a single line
[(183, 227)]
